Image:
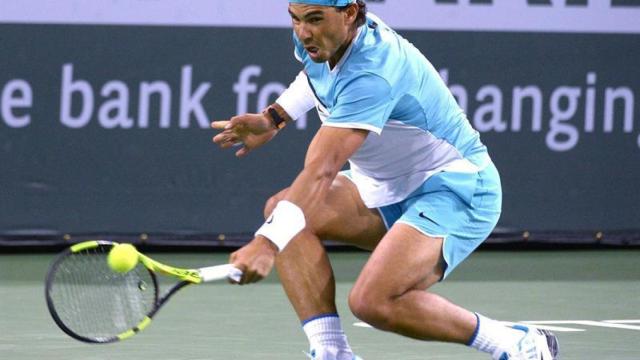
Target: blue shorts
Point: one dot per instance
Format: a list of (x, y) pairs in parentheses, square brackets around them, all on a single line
[(461, 208)]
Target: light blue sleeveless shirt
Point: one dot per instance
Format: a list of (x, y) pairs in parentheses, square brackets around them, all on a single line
[(385, 85)]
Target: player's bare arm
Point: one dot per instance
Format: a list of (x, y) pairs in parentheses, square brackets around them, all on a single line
[(327, 154), (250, 130)]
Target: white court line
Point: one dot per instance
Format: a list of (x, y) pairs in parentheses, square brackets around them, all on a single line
[(362, 324), (589, 323), (623, 321), (546, 327), (551, 324)]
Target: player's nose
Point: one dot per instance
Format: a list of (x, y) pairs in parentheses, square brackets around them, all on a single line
[(304, 34)]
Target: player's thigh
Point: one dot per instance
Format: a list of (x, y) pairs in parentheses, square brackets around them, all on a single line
[(405, 259), (437, 230), (342, 216)]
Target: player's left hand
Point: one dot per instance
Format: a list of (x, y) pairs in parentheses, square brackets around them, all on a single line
[(255, 259), (249, 130)]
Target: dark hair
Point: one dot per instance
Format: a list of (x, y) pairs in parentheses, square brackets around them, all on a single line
[(362, 12)]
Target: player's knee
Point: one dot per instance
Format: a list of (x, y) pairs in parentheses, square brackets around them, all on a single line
[(269, 206), (272, 202), (357, 304), (374, 309)]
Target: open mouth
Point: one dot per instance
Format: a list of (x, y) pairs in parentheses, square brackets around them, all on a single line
[(312, 50)]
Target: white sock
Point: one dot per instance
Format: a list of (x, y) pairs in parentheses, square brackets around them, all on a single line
[(326, 337), (493, 337)]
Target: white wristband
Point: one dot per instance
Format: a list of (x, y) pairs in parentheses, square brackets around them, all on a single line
[(298, 98), (284, 223)]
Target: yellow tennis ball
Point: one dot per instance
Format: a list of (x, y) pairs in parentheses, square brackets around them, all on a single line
[(122, 258)]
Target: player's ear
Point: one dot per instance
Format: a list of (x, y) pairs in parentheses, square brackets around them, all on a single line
[(351, 13)]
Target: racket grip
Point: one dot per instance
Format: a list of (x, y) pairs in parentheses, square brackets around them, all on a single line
[(220, 272)]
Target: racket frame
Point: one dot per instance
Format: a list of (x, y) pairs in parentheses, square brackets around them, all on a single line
[(186, 277)]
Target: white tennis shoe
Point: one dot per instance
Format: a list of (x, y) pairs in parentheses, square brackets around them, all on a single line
[(536, 344), (326, 354)]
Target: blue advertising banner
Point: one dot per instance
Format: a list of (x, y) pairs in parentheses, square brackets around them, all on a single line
[(104, 116)]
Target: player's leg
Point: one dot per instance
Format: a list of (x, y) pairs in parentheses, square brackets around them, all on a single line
[(303, 265), (392, 292), (304, 268)]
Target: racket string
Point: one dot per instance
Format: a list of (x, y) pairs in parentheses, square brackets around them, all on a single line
[(95, 302)]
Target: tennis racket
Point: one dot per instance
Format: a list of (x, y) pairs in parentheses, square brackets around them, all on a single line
[(92, 303)]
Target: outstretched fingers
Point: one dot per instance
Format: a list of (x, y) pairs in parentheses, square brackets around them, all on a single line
[(227, 139), (220, 125), (243, 152)]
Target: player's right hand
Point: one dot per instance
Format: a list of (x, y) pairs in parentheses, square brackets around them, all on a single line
[(249, 130), (255, 260)]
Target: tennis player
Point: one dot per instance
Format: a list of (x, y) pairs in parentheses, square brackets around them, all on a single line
[(422, 192)]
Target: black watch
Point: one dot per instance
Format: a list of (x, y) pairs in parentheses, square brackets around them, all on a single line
[(278, 120)]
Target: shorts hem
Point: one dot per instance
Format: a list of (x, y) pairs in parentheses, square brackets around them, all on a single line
[(444, 237)]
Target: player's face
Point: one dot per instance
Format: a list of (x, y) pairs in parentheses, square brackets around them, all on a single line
[(324, 31)]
